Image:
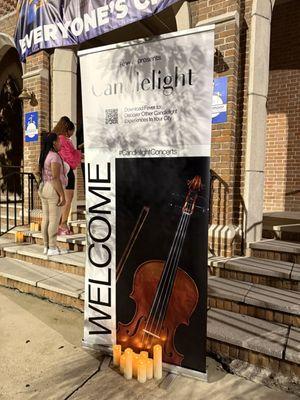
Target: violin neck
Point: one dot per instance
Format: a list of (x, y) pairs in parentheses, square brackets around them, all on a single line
[(167, 279)]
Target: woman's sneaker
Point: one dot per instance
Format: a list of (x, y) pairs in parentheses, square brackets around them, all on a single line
[(56, 252), (64, 231)]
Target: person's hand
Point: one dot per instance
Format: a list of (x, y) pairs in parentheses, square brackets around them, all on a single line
[(62, 201)]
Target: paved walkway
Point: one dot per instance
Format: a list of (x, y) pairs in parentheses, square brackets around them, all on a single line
[(41, 359)]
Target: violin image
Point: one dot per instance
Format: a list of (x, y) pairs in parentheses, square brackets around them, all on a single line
[(165, 295)]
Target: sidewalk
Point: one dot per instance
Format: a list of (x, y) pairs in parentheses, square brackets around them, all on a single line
[(41, 359)]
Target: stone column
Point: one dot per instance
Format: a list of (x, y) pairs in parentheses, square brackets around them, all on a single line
[(36, 81), (257, 117), (64, 95)]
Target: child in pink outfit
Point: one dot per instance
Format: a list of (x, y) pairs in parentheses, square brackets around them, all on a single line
[(70, 155)]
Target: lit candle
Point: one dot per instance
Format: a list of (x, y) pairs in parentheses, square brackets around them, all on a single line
[(21, 237), (142, 370), (37, 227), (149, 368), (32, 226), (144, 354), (135, 360), (17, 237), (157, 361), (128, 363), (117, 351), (122, 363)]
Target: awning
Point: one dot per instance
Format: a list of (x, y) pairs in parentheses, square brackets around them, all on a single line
[(45, 24)]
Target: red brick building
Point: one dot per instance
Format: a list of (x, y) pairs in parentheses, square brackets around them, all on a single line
[(255, 154)]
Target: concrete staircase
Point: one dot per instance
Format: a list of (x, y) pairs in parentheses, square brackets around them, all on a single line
[(254, 307), (253, 302)]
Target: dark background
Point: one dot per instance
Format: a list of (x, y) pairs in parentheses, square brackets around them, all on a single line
[(161, 184)]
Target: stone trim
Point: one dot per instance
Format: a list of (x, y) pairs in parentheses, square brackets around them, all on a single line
[(221, 19), (42, 72)]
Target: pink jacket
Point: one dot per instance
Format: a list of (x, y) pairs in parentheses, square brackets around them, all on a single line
[(68, 152)]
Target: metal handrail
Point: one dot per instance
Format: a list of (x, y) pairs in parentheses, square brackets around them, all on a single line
[(20, 180)]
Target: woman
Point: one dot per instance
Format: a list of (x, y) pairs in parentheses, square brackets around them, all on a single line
[(65, 129), (51, 192)]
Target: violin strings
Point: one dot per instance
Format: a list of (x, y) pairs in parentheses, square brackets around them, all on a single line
[(162, 280), (161, 303), (171, 281)]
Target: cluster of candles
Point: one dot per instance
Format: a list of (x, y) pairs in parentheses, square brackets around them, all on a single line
[(140, 366), (19, 237), (34, 227)]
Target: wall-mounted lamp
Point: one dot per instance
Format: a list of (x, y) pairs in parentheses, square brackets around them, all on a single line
[(30, 96)]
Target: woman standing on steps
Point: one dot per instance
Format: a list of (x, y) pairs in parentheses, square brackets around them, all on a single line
[(65, 129), (51, 191)]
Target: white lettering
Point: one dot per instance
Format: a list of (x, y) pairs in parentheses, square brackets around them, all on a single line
[(77, 26), (50, 32), (22, 45), (90, 21), (28, 39), (64, 28), (121, 8), (38, 35), (140, 5), (102, 15)]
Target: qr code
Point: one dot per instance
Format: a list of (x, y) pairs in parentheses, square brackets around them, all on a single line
[(111, 116)]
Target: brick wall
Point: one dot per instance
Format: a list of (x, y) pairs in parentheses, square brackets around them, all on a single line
[(282, 178), (7, 6)]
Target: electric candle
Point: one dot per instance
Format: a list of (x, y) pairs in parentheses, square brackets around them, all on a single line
[(144, 354), (122, 363), (37, 227), (17, 237), (128, 363), (142, 370), (117, 351), (32, 226), (149, 368), (135, 360), (157, 361)]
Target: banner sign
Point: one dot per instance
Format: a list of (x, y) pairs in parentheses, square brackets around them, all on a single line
[(31, 126), (55, 23), (147, 135), (219, 105)]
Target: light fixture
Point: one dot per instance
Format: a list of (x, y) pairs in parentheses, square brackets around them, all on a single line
[(30, 96)]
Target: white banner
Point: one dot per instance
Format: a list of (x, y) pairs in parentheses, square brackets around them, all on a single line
[(144, 99)]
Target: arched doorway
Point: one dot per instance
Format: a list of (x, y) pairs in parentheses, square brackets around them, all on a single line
[(11, 129)]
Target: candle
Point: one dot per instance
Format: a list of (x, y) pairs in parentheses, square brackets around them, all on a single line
[(117, 351), (142, 370), (17, 237), (122, 363), (149, 368), (135, 360), (128, 363), (144, 354), (32, 226), (157, 361), (21, 237), (37, 227)]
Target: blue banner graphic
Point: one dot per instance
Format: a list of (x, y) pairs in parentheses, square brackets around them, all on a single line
[(31, 127), (44, 24), (219, 105)]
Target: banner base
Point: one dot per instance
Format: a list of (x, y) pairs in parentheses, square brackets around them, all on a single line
[(172, 369)]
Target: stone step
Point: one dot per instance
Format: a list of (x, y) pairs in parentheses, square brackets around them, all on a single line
[(78, 226), (59, 287), (75, 242), (262, 343), (273, 249), (268, 303), (279, 274), (73, 262)]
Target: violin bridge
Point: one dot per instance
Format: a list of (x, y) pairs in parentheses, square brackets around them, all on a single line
[(150, 333)]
